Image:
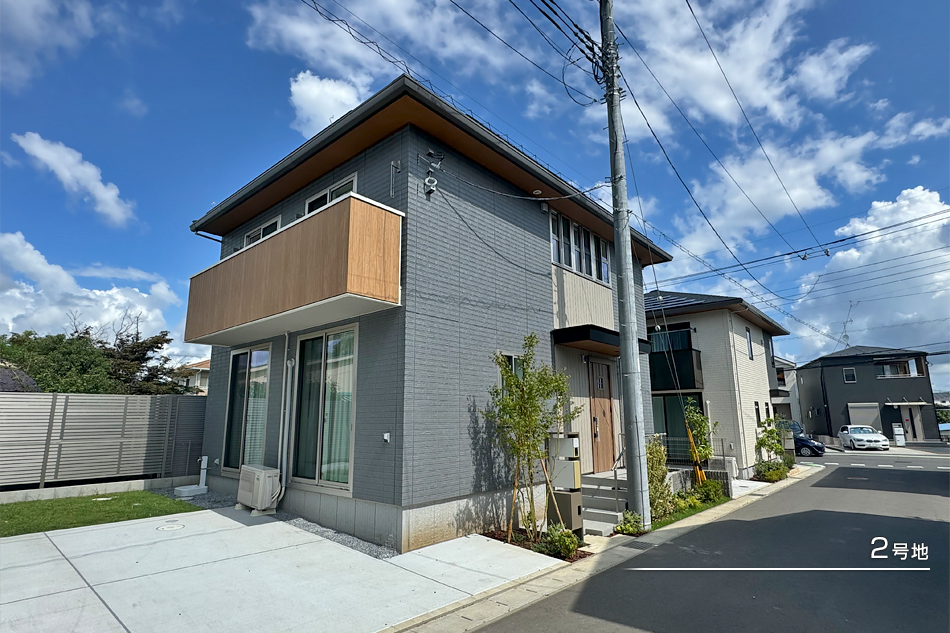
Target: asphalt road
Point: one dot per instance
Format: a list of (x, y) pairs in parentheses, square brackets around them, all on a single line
[(826, 521), (935, 458)]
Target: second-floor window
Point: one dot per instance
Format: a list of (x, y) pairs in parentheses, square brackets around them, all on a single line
[(677, 337), (780, 376), (748, 339), (261, 232), (849, 374), (577, 248), (911, 368), (328, 195)]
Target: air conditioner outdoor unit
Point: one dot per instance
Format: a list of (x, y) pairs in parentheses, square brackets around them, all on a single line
[(258, 488)]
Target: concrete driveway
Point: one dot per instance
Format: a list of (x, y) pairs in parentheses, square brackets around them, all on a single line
[(221, 570)]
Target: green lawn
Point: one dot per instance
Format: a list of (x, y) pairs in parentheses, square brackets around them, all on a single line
[(679, 516), (26, 517)]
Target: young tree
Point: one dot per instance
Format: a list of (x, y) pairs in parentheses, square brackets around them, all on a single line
[(531, 401), (701, 429), (770, 440)]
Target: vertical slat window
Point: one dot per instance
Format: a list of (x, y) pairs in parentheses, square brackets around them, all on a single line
[(566, 241), (256, 407), (310, 380), (236, 402), (338, 408), (587, 260), (578, 257), (555, 238)]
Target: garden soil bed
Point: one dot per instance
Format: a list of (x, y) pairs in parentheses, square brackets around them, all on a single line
[(520, 539)]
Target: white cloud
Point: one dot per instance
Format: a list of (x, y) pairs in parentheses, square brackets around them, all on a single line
[(880, 105), (318, 101), (914, 159), (38, 295), (37, 32), (901, 129), (110, 272), (8, 160), (540, 102), (132, 104), (78, 176), (824, 75), (893, 302)]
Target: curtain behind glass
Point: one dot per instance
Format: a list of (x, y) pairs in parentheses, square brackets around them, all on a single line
[(308, 408), (256, 408), (338, 403), (236, 399)]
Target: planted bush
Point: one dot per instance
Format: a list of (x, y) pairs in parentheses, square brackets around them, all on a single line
[(631, 524), (770, 472), (789, 460), (558, 541), (708, 491), (661, 496), (685, 500)]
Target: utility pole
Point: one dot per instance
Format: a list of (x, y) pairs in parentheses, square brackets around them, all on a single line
[(638, 493)]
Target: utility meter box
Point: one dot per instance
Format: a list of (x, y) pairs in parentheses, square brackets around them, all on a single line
[(569, 505)]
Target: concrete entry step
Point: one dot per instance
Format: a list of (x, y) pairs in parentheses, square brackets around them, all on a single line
[(605, 516), (598, 528), (607, 502)]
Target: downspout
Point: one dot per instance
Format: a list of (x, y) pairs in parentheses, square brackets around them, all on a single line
[(824, 401), (285, 409)]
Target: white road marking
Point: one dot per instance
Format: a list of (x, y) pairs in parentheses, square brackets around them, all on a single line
[(944, 467), (857, 464), (832, 463), (885, 466), (915, 466)]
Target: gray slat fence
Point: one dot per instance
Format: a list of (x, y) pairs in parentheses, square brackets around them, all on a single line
[(57, 437)]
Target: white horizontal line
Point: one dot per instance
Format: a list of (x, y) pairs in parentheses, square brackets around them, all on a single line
[(832, 463), (885, 465), (915, 466), (778, 569), (943, 467), (857, 464)]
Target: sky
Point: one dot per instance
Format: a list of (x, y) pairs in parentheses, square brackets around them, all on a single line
[(123, 122)]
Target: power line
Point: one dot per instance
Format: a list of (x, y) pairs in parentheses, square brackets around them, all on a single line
[(700, 137), (877, 327), (754, 133), (844, 292), (685, 186), (866, 279), (839, 243), (593, 100)]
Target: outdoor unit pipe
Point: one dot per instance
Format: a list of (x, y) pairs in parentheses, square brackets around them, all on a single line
[(285, 410)]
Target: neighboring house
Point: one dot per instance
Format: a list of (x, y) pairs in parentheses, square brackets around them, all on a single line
[(732, 340), (365, 282), (784, 391), (196, 375), (876, 386)]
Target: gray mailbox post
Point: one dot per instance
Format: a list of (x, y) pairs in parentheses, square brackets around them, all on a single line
[(565, 468)]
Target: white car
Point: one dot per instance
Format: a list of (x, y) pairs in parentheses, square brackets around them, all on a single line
[(862, 437)]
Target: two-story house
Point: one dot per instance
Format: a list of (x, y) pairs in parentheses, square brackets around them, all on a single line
[(784, 390), (874, 386), (716, 351), (365, 282)]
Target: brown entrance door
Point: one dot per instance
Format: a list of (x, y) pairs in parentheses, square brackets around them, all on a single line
[(602, 422)]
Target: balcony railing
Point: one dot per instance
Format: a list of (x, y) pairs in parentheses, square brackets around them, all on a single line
[(676, 370), (338, 263)]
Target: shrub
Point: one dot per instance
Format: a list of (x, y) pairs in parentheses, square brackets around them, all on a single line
[(632, 524), (789, 460), (771, 442), (558, 541), (700, 428), (708, 491), (770, 471), (661, 497), (685, 500)]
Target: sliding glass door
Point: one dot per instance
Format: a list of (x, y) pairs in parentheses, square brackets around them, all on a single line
[(324, 425), (247, 407)]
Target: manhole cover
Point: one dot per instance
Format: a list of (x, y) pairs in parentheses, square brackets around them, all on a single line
[(639, 545), (172, 526)]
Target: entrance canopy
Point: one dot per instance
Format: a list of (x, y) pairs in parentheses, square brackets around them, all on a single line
[(592, 338)]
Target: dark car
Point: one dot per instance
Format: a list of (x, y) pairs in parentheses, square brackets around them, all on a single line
[(806, 447)]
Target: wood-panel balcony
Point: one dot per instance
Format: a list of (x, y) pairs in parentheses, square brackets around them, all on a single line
[(337, 263)]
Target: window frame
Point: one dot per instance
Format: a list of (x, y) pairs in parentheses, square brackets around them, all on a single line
[(228, 471), (580, 250), (780, 378), (748, 338), (261, 228), (327, 192), (317, 484), (844, 375), (758, 414)]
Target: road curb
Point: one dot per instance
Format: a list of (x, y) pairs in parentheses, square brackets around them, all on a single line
[(491, 605)]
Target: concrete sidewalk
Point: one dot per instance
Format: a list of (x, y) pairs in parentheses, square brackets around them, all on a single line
[(221, 570)]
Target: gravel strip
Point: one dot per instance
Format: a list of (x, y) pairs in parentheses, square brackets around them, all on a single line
[(213, 500)]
